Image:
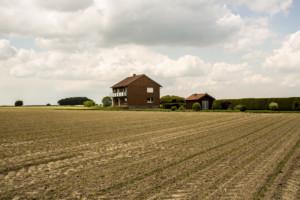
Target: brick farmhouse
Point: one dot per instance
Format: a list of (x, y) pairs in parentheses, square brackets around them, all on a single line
[(137, 91)]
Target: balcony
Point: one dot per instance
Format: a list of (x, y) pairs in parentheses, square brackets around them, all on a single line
[(119, 94)]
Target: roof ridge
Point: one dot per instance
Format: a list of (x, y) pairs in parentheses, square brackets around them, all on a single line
[(128, 80)]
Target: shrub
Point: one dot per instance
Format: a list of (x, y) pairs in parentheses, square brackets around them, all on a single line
[(168, 101), (19, 103), (240, 107), (273, 106), (296, 105), (196, 107), (48, 104), (107, 101), (173, 108), (89, 103), (72, 101), (181, 108)]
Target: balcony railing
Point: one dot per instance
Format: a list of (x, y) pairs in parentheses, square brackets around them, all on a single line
[(119, 94)]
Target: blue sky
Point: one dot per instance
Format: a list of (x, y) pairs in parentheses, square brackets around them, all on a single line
[(228, 48)]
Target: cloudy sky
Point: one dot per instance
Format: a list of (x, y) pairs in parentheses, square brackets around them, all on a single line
[(228, 48)]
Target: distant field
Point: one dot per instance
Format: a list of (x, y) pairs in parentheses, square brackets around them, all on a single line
[(73, 154)]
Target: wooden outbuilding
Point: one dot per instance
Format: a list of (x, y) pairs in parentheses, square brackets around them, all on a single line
[(205, 100)]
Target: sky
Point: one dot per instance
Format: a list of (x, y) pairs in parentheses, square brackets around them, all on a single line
[(228, 48)]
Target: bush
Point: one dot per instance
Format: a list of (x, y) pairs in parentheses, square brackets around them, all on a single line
[(196, 106), (73, 101), (273, 106), (173, 108), (89, 103), (48, 104), (296, 105), (169, 101), (240, 107), (19, 103), (181, 108), (107, 101)]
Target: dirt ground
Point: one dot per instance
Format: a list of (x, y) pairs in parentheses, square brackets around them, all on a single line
[(56, 154)]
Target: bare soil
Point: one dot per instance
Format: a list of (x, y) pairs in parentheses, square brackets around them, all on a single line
[(59, 154)]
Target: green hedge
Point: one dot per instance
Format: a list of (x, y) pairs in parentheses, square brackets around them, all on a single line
[(285, 104)]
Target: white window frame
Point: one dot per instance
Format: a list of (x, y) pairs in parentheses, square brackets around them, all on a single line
[(150, 90)]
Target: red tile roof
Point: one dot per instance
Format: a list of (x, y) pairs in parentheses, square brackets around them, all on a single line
[(195, 97), (127, 81)]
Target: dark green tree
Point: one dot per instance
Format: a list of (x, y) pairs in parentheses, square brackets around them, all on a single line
[(73, 101), (19, 103), (106, 101)]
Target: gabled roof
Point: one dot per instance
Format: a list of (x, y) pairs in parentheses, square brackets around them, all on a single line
[(127, 81), (195, 97)]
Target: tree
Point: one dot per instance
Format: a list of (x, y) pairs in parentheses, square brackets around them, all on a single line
[(73, 101), (107, 101), (19, 103), (196, 106)]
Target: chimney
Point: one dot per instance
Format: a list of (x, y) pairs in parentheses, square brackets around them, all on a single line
[(134, 75)]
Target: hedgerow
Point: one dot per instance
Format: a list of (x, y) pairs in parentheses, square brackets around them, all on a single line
[(285, 104)]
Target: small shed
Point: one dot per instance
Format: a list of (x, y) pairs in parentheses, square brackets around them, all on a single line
[(205, 100)]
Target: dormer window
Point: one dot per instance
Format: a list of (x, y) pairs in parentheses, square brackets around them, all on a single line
[(150, 90)]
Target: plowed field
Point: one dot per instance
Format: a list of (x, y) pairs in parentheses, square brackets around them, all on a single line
[(56, 154)]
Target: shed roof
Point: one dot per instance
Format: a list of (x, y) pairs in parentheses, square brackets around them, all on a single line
[(127, 81), (195, 97)]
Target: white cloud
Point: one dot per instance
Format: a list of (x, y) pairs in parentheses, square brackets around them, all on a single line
[(291, 81), (253, 33), (65, 5), (257, 79), (266, 6), (286, 58), (104, 64), (112, 63), (6, 50), (113, 22)]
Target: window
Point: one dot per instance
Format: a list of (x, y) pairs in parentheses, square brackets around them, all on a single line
[(125, 99), (149, 90), (150, 100)]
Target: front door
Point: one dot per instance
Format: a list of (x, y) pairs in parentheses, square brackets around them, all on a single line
[(205, 105)]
